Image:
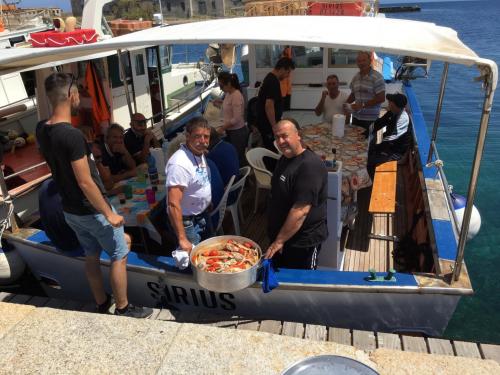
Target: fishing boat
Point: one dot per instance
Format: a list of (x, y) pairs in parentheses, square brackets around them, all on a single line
[(112, 84), (345, 291)]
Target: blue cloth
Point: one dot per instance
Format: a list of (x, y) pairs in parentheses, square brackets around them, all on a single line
[(224, 155), (216, 183), (52, 217), (269, 280)]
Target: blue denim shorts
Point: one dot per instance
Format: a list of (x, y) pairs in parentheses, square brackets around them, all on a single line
[(95, 234)]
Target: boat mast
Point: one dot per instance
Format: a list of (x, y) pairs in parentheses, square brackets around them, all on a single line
[(490, 75)]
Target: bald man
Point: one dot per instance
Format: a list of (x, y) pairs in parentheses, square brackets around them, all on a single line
[(138, 139), (297, 208)]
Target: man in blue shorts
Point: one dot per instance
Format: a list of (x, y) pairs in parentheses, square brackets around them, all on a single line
[(86, 209)]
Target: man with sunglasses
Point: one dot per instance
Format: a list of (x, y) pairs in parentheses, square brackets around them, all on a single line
[(86, 210), (138, 139)]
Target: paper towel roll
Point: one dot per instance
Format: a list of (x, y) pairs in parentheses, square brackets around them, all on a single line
[(157, 154), (338, 122)]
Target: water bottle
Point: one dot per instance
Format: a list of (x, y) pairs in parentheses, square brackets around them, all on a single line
[(152, 171), (164, 147)]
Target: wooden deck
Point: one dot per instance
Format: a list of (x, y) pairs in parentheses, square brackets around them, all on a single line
[(363, 340)]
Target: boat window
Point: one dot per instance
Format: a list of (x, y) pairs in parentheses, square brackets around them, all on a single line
[(202, 7), (114, 69), (304, 57), (139, 65), (165, 58), (342, 57)]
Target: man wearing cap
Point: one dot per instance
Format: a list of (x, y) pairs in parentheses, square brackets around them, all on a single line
[(367, 92), (138, 139), (396, 136)]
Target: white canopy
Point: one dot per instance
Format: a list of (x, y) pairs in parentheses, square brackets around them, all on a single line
[(400, 37)]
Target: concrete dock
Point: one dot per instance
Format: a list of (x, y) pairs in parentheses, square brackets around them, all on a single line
[(47, 340)]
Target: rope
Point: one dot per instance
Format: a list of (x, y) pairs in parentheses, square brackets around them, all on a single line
[(4, 222)]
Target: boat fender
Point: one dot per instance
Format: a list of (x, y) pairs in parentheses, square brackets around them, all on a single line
[(475, 219), (11, 266)]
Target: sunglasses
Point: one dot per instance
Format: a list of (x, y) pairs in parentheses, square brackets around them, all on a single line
[(73, 82)]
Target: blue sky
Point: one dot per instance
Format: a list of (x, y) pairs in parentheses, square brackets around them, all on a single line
[(65, 5)]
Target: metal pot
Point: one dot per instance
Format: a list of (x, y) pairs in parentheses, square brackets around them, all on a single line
[(224, 282)]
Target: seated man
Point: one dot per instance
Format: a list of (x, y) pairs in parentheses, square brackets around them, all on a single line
[(396, 139), (138, 139), (115, 156), (224, 155), (332, 99)]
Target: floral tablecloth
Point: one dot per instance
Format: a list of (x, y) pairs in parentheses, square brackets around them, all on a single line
[(351, 149), (135, 211)]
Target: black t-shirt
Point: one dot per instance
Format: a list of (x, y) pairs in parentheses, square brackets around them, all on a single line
[(112, 160), (62, 144), (133, 142), (270, 89), (302, 179)]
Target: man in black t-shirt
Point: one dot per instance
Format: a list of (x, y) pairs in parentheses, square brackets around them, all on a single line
[(270, 101), (97, 226), (297, 207), (138, 138)]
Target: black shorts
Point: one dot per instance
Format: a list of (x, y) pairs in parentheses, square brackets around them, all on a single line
[(297, 257)]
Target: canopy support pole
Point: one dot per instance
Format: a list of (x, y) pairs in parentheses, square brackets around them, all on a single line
[(125, 83), (437, 117), (483, 128)]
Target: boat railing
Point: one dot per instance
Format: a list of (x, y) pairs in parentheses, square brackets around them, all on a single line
[(446, 187), (28, 169)]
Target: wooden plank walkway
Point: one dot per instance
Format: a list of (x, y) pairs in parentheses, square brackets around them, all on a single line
[(363, 340)]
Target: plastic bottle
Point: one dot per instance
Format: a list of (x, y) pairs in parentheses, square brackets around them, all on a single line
[(164, 147), (152, 171)]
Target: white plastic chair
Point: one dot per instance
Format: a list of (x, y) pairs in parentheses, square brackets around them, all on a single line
[(221, 207), (255, 158), (235, 207)]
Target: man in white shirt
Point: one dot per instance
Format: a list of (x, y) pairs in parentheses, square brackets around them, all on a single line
[(188, 185), (332, 99)]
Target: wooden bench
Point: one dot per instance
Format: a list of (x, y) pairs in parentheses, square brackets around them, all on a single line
[(383, 197)]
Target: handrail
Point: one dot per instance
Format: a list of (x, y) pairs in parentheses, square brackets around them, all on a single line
[(24, 170)]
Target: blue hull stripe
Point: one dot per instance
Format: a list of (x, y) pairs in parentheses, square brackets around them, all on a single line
[(319, 277)]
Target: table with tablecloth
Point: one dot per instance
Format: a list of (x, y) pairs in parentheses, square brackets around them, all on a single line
[(135, 211), (351, 149)]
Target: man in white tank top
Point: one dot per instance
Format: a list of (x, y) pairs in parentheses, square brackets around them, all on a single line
[(332, 99)]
